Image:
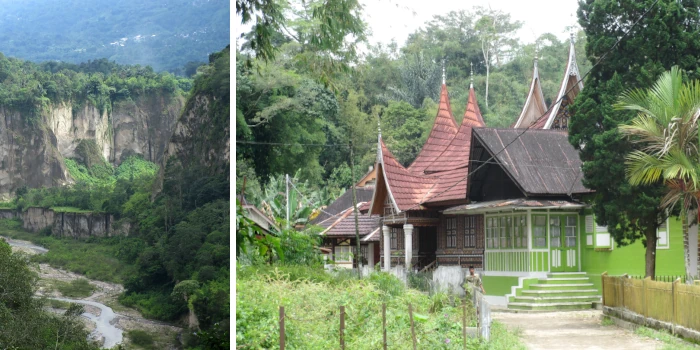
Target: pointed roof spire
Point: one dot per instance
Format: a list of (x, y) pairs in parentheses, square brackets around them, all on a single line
[(443, 71), (471, 75), (571, 85), (535, 105), (456, 155), (444, 129)]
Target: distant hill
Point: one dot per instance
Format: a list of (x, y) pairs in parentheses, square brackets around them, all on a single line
[(165, 34)]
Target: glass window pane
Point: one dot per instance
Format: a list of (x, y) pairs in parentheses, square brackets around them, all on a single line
[(540, 220)]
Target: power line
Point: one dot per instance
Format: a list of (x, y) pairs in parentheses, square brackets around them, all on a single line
[(345, 145), (547, 111)]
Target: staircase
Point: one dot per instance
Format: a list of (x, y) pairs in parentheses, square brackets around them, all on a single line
[(558, 292)]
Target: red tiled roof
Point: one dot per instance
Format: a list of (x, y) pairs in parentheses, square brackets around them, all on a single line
[(456, 155), (449, 185), (444, 130), (406, 189)]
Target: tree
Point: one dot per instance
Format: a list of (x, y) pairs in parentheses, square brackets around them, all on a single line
[(667, 35), (495, 30), (666, 128), (327, 31)]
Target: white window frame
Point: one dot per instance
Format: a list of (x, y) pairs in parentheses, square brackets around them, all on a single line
[(662, 232)]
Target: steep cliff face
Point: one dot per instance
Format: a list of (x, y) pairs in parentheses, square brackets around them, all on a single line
[(200, 142), (140, 126), (32, 154), (29, 155), (73, 225)]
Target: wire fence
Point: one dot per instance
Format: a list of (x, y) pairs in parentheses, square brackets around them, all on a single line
[(482, 312)]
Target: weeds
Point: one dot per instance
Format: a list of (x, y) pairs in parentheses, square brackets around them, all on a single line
[(670, 342), (607, 321), (78, 288)]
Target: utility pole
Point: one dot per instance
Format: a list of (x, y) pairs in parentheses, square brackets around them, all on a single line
[(286, 185), (354, 205)]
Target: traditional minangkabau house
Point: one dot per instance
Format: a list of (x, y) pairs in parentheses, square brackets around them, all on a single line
[(338, 222), (510, 202)]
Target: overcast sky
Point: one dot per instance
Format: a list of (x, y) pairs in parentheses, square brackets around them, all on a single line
[(389, 21)]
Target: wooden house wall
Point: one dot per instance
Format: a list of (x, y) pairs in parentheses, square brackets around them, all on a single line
[(459, 255)]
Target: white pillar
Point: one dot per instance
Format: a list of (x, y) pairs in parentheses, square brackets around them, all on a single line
[(408, 242), (387, 248)]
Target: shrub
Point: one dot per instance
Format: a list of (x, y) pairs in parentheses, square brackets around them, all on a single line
[(78, 288), (141, 338)]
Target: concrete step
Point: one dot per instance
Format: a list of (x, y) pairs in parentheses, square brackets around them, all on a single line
[(568, 286), (560, 293), (551, 306), (566, 274), (556, 299), (563, 280)]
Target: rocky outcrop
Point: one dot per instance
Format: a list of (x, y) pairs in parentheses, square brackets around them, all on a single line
[(29, 154), (33, 148), (36, 219), (8, 213), (73, 225)]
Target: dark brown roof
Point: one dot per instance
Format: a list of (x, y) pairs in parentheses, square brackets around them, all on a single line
[(364, 194), (540, 162), (444, 130), (344, 225), (456, 155)]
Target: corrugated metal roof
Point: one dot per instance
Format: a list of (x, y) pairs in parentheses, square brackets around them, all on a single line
[(344, 225), (364, 194), (511, 204), (540, 162)]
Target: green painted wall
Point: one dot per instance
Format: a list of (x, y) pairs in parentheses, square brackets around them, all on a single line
[(498, 285), (630, 259)]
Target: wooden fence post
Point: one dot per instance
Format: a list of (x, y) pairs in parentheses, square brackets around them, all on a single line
[(602, 286), (674, 314), (464, 322), (281, 327), (645, 309), (413, 329), (342, 327), (622, 283), (384, 323)]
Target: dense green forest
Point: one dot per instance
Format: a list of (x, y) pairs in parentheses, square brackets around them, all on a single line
[(165, 35), (29, 87), (294, 115), (176, 259)]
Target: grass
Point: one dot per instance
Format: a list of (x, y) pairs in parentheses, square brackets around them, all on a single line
[(607, 321), (78, 288), (312, 300), (58, 304), (670, 342), (94, 258), (70, 210)]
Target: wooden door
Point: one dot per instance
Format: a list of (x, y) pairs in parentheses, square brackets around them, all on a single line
[(563, 243)]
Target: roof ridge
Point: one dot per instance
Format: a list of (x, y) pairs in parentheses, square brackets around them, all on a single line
[(444, 129)]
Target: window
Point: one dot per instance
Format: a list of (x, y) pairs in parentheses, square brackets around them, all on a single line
[(451, 232), (519, 231), (470, 231), (393, 237), (662, 236), (539, 231), (343, 253), (504, 235), (555, 231), (492, 232), (570, 231)]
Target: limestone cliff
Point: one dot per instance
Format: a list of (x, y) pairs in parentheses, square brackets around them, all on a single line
[(32, 153), (200, 143)]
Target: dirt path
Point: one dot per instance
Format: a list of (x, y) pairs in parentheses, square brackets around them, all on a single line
[(572, 330)]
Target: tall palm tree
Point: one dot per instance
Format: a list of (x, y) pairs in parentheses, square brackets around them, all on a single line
[(666, 131)]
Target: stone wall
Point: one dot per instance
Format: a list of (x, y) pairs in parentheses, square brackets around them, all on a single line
[(74, 225)]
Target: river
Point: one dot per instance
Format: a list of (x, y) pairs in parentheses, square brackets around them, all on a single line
[(103, 323)]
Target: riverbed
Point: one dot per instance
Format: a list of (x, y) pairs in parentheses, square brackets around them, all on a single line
[(106, 323)]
